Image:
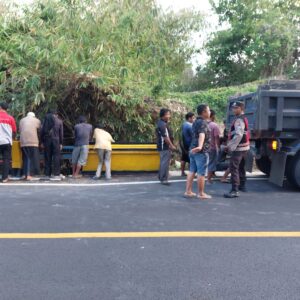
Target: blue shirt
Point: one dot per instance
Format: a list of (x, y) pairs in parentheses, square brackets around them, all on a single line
[(187, 134)]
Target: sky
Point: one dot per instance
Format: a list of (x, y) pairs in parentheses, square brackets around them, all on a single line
[(198, 38), (176, 5)]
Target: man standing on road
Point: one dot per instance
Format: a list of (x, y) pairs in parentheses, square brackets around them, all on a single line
[(29, 133), (238, 145), (52, 139), (103, 141), (164, 145), (8, 130), (187, 135), (214, 146), (199, 153), (83, 135)]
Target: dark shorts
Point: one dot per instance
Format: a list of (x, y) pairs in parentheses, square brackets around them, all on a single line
[(185, 155), (213, 160)]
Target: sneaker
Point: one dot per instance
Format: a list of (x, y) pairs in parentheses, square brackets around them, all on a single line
[(55, 178), (62, 176), (96, 178), (167, 183), (232, 194)]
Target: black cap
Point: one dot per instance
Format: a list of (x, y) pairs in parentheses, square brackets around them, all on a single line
[(238, 104)]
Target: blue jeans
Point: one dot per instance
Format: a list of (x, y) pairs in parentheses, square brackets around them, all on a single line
[(199, 163)]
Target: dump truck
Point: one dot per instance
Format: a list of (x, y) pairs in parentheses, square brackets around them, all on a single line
[(273, 112)]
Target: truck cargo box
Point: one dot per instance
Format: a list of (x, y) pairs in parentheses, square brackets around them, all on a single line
[(273, 111)]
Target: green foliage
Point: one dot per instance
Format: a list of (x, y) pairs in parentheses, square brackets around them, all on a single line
[(261, 41), (57, 51), (216, 98)]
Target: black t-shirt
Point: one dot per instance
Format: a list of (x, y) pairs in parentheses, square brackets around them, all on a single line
[(201, 126), (162, 131)]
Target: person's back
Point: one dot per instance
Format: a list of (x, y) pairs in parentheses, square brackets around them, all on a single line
[(29, 127), (52, 135), (7, 128), (103, 139), (52, 128), (57, 130), (83, 132), (103, 142)]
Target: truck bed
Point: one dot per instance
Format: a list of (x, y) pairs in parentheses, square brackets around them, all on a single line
[(273, 111)]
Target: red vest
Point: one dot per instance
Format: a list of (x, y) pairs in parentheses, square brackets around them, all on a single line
[(245, 141)]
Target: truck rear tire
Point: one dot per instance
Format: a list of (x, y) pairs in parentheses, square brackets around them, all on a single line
[(264, 164), (293, 171)]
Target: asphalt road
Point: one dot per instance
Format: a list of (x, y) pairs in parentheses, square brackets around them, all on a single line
[(148, 268)]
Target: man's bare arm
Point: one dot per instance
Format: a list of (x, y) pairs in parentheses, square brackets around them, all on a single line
[(169, 143), (200, 143)]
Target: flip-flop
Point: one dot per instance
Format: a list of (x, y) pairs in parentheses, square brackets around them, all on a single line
[(192, 195), (206, 197)]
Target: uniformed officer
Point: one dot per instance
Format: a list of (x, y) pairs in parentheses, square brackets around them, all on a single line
[(238, 145)]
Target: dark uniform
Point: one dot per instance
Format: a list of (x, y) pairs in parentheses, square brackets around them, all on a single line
[(163, 131), (238, 145)]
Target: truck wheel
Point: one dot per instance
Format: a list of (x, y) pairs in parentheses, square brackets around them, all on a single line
[(264, 164), (293, 172)]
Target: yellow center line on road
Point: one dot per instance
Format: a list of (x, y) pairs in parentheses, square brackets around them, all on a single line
[(174, 234)]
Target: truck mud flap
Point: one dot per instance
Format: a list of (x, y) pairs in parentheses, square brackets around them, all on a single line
[(278, 168), (250, 161)]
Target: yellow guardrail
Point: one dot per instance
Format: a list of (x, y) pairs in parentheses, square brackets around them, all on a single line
[(16, 155), (125, 157)]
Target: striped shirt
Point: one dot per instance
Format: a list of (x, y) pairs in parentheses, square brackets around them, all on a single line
[(7, 128)]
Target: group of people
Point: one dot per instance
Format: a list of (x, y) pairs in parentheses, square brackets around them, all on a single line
[(48, 136), (202, 146)]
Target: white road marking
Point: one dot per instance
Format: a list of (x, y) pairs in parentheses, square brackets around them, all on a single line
[(12, 184)]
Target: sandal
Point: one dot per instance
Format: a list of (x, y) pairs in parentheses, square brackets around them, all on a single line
[(192, 195), (204, 197)]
